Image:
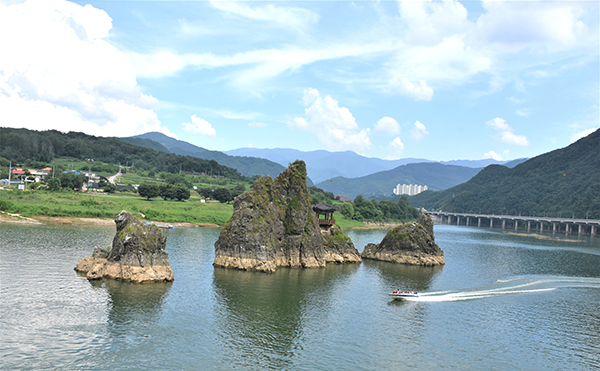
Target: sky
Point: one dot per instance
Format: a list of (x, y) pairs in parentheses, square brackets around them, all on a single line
[(441, 80)]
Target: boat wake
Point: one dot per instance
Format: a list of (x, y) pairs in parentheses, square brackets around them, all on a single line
[(518, 285)]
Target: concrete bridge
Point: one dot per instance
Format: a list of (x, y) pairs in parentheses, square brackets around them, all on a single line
[(590, 227)]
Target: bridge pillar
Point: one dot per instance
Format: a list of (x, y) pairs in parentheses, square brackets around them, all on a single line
[(479, 222), (528, 226), (491, 223), (566, 228), (458, 220), (553, 227), (580, 232), (516, 225), (503, 223), (468, 218), (541, 227)]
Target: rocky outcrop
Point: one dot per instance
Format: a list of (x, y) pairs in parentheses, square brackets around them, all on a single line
[(137, 254), (274, 225), (411, 243)]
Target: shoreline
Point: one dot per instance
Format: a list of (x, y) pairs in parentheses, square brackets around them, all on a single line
[(72, 220)]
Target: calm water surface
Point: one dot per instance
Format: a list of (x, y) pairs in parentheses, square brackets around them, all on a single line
[(501, 302)]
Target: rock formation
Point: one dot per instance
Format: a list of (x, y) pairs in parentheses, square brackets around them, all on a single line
[(137, 254), (411, 243), (274, 225)]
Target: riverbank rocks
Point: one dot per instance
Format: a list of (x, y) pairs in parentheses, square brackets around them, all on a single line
[(411, 243), (274, 225), (137, 254)]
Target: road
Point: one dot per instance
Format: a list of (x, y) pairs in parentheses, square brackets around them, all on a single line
[(111, 179)]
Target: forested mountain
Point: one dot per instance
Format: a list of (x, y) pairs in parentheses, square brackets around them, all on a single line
[(23, 145), (432, 174), (323, 165), (247, 166), (564, 182)]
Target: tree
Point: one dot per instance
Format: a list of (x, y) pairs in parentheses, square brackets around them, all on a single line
[(222, 195), (347, 210), (71, 180), (110, 188), (181, 192), (238, 190), (149, 190), (166, 191), (205, 192), (53, 184)]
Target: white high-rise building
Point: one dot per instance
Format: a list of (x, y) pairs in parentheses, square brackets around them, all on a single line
[(409, 189)]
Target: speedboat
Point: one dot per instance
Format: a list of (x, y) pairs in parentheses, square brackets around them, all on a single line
[(402, 295)]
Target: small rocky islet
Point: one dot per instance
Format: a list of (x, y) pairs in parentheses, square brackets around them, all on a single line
[(410, 243), (137, 254)]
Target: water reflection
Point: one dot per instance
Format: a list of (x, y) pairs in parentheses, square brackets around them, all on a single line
[(402, 276), (261, 316), (132, 307)]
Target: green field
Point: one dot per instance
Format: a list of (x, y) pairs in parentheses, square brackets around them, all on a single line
[(72, 204), (81, 205)]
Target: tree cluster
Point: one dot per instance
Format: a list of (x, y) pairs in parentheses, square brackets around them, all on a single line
[(384, 211), (167, 191)]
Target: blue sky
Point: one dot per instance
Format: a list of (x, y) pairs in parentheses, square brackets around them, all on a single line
[(389, 79)]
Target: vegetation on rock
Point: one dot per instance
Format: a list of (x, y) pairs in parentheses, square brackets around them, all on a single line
[(410, 243), (274, 225)]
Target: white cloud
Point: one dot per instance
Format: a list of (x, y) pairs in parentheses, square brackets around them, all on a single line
[(335, 126), (429, 22), (395, 149), (58, 71), (296, 18), (257, 125), (200, 126), (506, 132), (419, 131), (524, 112), (493, 155), (575, 137), (513, 139), (419, 91), (514, 25), (387, 126), (499, 124)]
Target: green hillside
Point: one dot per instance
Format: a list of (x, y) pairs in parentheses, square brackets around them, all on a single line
[(564, 182), (32, 147), (434, 175), (247, 166)]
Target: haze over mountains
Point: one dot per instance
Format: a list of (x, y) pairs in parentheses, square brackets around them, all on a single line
[(345, 173), (247, 166), (323, 165)]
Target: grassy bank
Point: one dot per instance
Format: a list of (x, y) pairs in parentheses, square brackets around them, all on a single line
[(71, 204), (82, 205)]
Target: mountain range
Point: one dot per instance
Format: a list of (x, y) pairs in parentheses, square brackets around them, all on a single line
[(247, 166), (344, 173), (322, 165), (561, 183)]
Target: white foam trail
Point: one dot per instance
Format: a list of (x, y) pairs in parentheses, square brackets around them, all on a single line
[(512, 286)]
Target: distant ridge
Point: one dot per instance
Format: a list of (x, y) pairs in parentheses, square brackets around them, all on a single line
[(247, 166), (561, 183), (323, 165), (435, 175)]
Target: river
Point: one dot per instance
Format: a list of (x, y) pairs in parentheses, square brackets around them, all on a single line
[(501, 302)]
